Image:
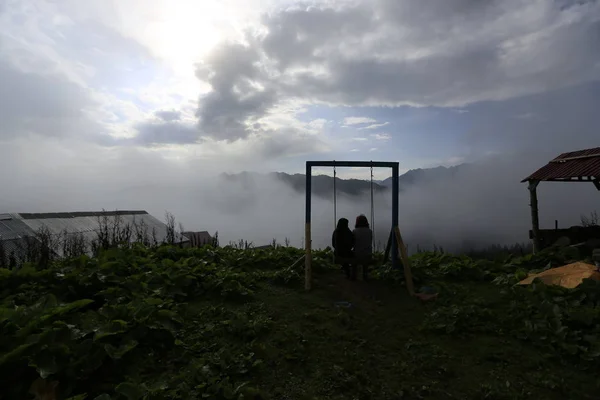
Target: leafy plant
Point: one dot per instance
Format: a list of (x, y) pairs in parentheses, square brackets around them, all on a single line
[(137, 322)]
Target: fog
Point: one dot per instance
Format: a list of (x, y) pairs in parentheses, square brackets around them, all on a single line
[(96, 114), (485, 204)]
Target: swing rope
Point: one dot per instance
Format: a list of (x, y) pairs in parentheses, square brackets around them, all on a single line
[(372, 209)]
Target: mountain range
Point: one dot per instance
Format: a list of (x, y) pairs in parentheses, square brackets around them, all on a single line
[(322, 185)]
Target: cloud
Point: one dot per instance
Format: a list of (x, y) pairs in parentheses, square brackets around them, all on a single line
[(381, 136), (168, 115), (358, 120), (375, 126), (91, 120), (238, 96), (381, 53), (526, 116), (100, 84), (318, 123), (165, 132), (47, 104)]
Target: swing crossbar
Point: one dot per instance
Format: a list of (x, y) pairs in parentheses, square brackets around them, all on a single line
[(365, 164)]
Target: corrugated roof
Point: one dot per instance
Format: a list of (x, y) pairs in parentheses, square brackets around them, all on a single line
[(13, 228), (581, 165), (78, 214), (81, 223), (89, 222)]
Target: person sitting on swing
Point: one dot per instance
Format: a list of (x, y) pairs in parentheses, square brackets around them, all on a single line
[(363, 246), (342, 241)]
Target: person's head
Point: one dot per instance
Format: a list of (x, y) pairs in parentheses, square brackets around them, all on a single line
[(342, 223), (361, 222)]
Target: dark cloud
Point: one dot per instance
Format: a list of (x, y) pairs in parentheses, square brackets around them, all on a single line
[(388, 52), (165, 132), (241, 92), (273, 145), (168, 115), (301, 36)]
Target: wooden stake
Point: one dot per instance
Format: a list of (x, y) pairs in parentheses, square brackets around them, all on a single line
[(405, 261), (388, 246), (297, 261)]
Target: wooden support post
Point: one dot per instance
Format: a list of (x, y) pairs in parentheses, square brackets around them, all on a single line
[(395, 212), (388, 246), (307, 236), (535, 221), (307, 259), (405, 260)]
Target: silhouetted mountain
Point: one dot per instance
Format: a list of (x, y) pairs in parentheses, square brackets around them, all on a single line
[(422, 175), (322, 185)]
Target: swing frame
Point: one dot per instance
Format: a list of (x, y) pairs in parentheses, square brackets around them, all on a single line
[(359, 164)]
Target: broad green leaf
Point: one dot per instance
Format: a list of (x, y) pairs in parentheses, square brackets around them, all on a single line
[(130, 390), (143, 313), (114, 327), (47, 302), (118, 352), (45, 364), (53, 312), (170, 315), (16, 353)]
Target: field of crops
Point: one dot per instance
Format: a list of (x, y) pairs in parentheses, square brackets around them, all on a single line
[(226, 323)]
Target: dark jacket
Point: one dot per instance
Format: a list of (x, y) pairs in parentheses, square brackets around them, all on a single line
[(363, 242), (342, 239)]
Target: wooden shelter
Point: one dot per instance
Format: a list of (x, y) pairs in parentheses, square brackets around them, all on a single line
[(576, 166)]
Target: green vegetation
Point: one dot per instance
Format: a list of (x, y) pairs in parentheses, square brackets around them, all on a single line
[(228, 323)]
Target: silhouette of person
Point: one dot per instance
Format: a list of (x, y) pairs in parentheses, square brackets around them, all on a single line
[(363, 246), (342, 241)]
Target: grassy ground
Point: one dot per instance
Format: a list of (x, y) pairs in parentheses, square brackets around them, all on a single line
[(168, 323), (375, 349)]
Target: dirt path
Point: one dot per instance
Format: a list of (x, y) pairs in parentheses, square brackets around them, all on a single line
[(386, 304), (377, 349)]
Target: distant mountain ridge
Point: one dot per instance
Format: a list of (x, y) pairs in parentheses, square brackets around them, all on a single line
[(322, 185), (421, 175)]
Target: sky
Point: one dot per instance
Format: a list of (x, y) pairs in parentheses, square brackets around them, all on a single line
[(140, 103)]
